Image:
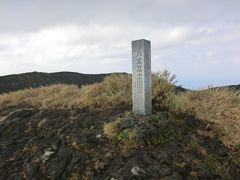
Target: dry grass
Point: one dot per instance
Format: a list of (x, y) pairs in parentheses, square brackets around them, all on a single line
[(114, 91), (163, 90), (220, 106), (110, 129), (54, 96)]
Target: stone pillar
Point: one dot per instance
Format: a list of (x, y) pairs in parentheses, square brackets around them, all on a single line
[(141, 77)]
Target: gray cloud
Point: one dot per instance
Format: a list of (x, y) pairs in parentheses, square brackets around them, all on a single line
[(194, 39), (32, 15)]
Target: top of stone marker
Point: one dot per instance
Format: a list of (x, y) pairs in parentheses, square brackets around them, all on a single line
[(141, 40)]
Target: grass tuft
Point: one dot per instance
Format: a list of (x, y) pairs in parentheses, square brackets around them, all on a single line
[(218, 106), (111, 129)]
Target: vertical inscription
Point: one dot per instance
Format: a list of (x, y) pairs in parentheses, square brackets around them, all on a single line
[(141, 81), (139, 58)]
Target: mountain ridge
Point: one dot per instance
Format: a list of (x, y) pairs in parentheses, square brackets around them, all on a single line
[(15, 82), (35, 79)]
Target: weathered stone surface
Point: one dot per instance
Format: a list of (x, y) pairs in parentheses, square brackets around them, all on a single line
[(141, 83)]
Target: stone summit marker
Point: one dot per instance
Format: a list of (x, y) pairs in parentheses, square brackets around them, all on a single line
[(141, 77)]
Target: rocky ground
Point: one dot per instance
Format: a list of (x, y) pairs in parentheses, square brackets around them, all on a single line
[(71, 144)]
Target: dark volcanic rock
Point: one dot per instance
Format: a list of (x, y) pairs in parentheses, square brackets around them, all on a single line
[(70, 144)]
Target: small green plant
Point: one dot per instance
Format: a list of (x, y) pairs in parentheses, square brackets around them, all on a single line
[(157, 117), (157, 140), (124, 135), (194, 143), (211, 163), (237, 147)]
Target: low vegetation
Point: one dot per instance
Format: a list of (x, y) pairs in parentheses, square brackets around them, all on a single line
[(114, 91), (80, 132), (110, 129), (218, 106)]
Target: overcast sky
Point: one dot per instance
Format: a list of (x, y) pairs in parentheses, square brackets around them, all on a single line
[(198, 40)]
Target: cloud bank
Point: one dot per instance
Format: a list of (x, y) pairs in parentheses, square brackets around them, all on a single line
[(198, 41)]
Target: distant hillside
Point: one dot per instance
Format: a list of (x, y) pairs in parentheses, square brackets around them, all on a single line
[(36, 79), (17, 82), (232, 87), (237, 87)]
